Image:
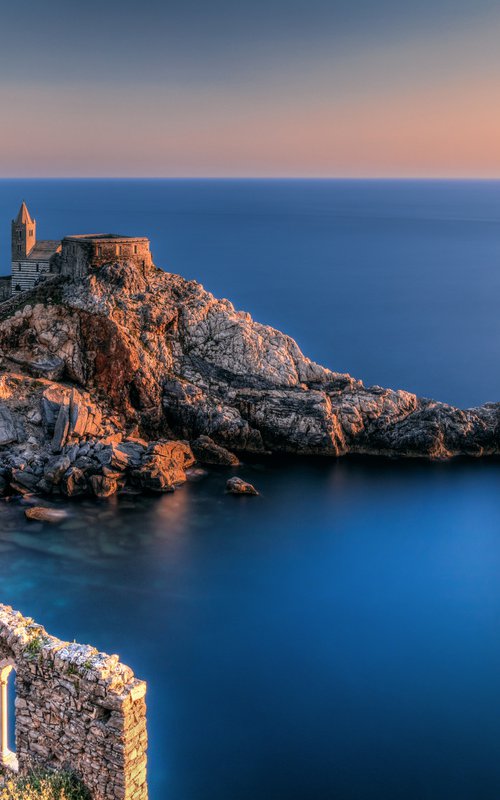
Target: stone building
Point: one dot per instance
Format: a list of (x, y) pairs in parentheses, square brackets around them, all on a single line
[(33, 260), (75, 709), (86, 251)]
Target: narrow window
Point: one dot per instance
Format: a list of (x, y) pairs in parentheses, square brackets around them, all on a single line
[(31, 233), (135, 249), (99, 250), (19, 234), (38, 267), (17, 288), (19, 248)]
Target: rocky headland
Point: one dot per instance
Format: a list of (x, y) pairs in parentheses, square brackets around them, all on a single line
[(120, 381)]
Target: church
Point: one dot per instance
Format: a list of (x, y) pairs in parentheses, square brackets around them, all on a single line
[(32, 260)]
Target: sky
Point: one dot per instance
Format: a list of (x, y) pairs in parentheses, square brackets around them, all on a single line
[(319, 88)]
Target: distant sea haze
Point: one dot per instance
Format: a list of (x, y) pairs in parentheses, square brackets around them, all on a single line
[(395, 282)]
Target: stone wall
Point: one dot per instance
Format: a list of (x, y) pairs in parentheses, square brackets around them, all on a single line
[(26, 274), (80, 254), (75, 709), (5, 291)]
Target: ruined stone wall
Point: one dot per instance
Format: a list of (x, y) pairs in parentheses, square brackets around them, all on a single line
[(76, 709), (75, 258), (79, 256), (5, 291)]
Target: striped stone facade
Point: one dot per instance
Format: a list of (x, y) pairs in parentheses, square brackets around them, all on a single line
[(26, 274)]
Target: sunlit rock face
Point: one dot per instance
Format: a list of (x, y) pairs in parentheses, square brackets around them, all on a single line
[(164, 359)]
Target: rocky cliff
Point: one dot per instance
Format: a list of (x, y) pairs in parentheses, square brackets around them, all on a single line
[(127, 360)]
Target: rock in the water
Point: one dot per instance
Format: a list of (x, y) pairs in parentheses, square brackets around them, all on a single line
[(103, 486), (74, 483), (25, 479), (55, 469), (164, 466), (206, 451), (42, 514), (239, 486)]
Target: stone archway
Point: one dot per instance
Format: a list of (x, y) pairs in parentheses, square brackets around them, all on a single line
[(8, 759)]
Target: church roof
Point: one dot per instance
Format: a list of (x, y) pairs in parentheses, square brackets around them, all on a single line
[(43, 250), (93, 237), (23, 217)]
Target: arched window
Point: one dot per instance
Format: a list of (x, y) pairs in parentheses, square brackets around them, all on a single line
[(17, 288), (8, 758)]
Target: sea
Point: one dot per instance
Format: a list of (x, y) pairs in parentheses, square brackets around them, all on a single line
[(336, 638)]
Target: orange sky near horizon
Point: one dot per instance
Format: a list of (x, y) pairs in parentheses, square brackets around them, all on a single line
[(408, 107)]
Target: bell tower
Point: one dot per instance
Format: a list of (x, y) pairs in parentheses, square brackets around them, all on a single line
[(23, 234)]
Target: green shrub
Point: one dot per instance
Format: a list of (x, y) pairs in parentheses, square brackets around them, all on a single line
[(43, 786)]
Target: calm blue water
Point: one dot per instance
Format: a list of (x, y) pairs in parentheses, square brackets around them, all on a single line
[(336, 638)]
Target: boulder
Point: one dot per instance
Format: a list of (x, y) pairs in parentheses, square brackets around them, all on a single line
[(55, 469), (52, 399), (74, 482), (24, 478), (61, 429), (152, 478), (69, 413), (43, 514), (164, 466), (8, 433), (239, 486), (50, 368), (206, 451), (120, 455), (103, 486), (78, 415)]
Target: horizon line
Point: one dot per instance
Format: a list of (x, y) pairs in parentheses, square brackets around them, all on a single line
[(250, 178)]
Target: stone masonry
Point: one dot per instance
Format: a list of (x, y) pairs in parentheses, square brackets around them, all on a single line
[(76, 709), (83, 252)]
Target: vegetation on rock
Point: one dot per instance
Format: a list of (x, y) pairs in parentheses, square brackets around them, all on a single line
[(43, 786)]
